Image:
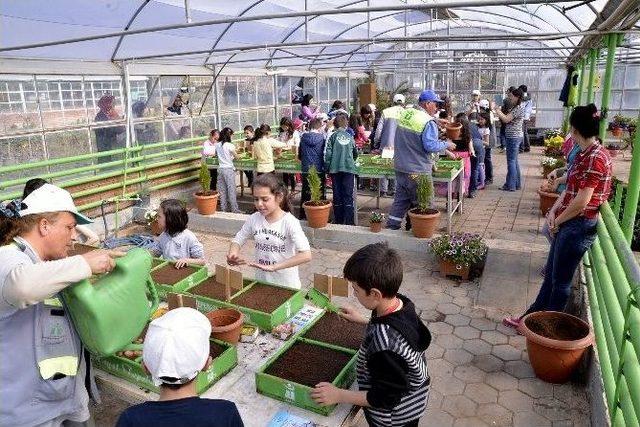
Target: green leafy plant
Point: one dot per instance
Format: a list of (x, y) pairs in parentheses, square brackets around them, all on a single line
[(376, 217), (205, 179), (424, 192), (315, 185), (461, 249)]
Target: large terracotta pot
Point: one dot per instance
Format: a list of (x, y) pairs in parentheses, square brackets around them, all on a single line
[(555, 343), (375, 227), (424, 225), (546, 201), (317, 216), (226, 324), (453, 130), (206, 204)]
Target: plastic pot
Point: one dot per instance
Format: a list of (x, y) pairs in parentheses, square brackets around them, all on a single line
[(317, 216), (375, 227), (226, 324), (546, 201), (206, 203), (453, 131), (555, 342), (424, 225)]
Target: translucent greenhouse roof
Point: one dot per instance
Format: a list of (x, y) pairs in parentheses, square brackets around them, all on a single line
[(281, 33)]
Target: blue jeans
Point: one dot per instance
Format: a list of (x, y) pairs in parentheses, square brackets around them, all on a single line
[(476, 161), (342, 184), (513, 167), (573, 239), (488, 164), (404, 199)]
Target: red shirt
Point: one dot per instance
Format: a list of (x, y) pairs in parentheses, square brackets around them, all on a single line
[(591, 169)]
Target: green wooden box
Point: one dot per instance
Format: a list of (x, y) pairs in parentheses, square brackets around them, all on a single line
[(133, 371), (287, 165), (299, 394), (447, 168), (211, 161), (265, 321), (199, 275)]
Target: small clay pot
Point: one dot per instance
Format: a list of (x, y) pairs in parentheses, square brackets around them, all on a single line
[(554, 360), (226, 324), (424, 225), (375, 227), (546, 200), (317, 216), (453, 130), (206, 204)]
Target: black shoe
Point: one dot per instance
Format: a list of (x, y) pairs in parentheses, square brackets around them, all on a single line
[(526, 150), (407, 225), (472, 195)]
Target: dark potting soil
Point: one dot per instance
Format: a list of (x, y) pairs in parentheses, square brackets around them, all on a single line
[(427, 211), (215, 350), (170, 275), (79, 249), (558, 327), (308, 364), (333, 329), (263, 298), (210, 288)]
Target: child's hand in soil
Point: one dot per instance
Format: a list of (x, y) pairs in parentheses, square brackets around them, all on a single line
[(182, 262), (263, 267), (234, 259), (351, 314), (325, 394)]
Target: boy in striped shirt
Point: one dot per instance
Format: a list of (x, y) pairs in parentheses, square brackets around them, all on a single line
[(391, 367)]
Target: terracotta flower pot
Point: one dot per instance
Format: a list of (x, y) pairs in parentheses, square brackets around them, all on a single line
[(613, 151), (555, 343), (206, 204), (453, 130), (317, 216), (546, 201), (546, 170), (226, 324), (155, 228), (424, 225), (448, 268), (375, 227), (617, 132)]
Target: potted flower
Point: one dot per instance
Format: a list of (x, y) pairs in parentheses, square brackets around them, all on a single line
[(548, 197), (151, 217), (460, 254), (375, 221), (206, 199), (424, 220), (553, 146), (317, 210), (549, 164), (618, 125)]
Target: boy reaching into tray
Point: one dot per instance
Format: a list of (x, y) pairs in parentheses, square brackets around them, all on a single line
[(391, 367), (176, 348)]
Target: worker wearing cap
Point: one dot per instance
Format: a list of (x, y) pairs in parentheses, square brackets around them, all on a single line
[(385, 133), (175, 350), (415, 139), (44, 372), (473, 106)]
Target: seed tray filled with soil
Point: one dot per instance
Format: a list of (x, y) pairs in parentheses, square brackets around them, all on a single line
[(225, 358), (335, 330), (292, 373), (263, 297), (212, 289), (79, 249), (168, 278)]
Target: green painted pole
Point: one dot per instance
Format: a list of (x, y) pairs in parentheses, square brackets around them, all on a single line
[(582, 79), (633, 189), (593, 57), (611, 41)]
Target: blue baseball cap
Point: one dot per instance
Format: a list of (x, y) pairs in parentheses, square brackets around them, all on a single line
[(429, 96)]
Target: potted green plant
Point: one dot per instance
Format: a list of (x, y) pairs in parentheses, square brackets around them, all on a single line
[(424, 219), (375, 221), (317, 210), (151, 217), (549, 164), (460, 254), (206, 199)]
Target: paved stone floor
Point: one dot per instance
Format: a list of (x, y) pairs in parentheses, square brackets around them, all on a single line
[(479, 368)]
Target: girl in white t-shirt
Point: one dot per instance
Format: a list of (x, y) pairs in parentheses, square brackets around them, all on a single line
[(209, 150), (280, 243), (226, 153)]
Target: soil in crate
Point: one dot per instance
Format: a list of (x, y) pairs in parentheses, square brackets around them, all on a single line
[(263, 298), (558, 328), (79, 249), (308, 364), (170, 275), (212, 289), (215, 350), (333, 329)]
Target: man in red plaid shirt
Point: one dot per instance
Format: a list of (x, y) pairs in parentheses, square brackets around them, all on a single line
[(572, 219)]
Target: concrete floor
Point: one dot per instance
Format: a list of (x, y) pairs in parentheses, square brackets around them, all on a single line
[(480, 370)]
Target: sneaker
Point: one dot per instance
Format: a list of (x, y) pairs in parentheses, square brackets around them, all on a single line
[(512, 322)]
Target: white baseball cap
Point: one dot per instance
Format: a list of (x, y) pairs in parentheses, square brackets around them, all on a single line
[(373, 107), (484, 103), (475, 92), (50, 198), (177, 345), (398, 98)]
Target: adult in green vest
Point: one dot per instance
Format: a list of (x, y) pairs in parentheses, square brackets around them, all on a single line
[(416, 138), (44, 371)]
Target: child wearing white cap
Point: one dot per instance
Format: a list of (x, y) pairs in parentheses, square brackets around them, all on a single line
[(176, 348)]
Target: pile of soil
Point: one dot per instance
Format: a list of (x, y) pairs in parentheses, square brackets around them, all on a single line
[(557, 327), (79, 249), (170, 275), (215, 350), (263, 298), (333, 329), (210, 288), (308, 364)]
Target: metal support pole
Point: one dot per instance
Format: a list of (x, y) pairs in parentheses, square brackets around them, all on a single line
[(216, 97), (582, 79), (611, 41), (593, 58), (306, 22), (633, 189), (274, 99), (348, 99)]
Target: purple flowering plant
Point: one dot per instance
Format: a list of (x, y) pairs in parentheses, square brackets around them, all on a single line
[(461, 249)]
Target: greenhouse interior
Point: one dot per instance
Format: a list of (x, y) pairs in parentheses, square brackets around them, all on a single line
[(485, 273)]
